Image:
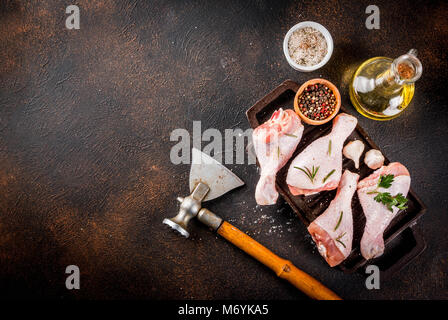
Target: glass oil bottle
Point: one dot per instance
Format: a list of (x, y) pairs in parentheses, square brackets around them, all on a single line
[(382, 88)]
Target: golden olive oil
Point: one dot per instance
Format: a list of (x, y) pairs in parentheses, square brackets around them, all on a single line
[(382, 88)]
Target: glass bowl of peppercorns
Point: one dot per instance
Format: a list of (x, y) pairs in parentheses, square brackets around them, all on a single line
[(317, 101)]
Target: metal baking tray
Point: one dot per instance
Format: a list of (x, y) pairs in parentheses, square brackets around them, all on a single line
[(402, 239)]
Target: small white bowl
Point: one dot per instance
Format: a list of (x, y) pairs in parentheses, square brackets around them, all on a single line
[(327, 37)]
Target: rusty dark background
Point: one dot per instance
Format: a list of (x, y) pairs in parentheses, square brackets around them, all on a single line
[(85, 123)]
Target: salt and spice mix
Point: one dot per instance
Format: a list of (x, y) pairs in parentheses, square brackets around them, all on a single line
[(307, 46), (317, 102)]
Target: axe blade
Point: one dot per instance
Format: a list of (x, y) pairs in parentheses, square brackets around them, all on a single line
[(207, 170)]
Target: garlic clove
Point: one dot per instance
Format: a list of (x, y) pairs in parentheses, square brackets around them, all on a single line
[(353, 150), (374, 159)]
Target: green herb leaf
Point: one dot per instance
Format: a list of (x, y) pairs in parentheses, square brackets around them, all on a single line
[(385, 181), (317, 169), (402, 201), (329, 147), (340, 236), (341, 242), (301, 170), (278, 152), (291, 135), (339, 221), (311, 174), (328, 175), (382, 197), (338, 239), (389, 201)]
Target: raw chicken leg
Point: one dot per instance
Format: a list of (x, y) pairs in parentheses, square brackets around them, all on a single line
[(319, 166), (378, 216), (274, 142), (332, 231)]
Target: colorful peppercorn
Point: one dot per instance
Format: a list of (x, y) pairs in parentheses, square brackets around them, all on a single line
[(317, 102)]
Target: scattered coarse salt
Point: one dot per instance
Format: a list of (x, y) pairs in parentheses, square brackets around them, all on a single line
[(307, 46)]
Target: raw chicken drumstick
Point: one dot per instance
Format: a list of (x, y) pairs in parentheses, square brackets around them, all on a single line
[(274, 142), (319, 166), (378, 216), (332, 231)]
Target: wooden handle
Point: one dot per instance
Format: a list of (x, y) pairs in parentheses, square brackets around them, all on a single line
[(283, 268)]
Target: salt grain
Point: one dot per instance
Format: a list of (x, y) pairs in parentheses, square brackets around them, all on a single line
[(307, 46)]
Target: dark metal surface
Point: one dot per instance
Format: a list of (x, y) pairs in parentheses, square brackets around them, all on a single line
[(85, 123)]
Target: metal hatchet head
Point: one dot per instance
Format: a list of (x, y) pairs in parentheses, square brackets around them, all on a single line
[(207, 170), (209, 179)]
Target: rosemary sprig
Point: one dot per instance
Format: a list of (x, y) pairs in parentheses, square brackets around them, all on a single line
[(311, 174), (341, 243), (291, 135), (328, 175), (338, 239), (339, 221), (329, 147)]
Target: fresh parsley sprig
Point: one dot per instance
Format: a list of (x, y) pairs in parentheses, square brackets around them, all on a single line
[(389, 201), (385, 181), (399, 201)]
